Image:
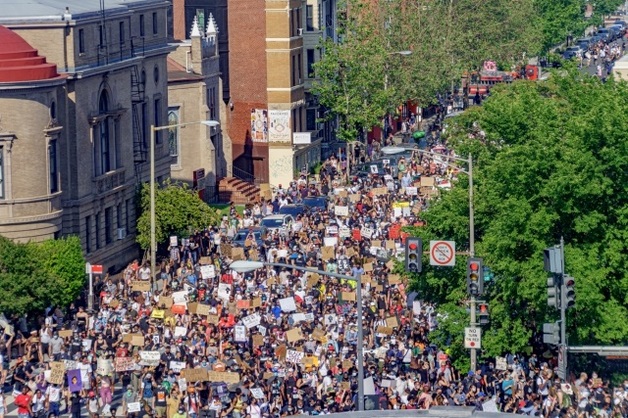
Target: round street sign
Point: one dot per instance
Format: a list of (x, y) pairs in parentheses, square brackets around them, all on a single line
[(442, 253)]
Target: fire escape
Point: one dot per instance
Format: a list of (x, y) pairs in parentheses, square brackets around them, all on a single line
[(138, 101)]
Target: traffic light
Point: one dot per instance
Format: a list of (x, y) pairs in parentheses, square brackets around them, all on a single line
[(483, 314), (475, 282), (414, 254), (568, 296), (553, 295), (488, 274), (553, 260), (551, 333)]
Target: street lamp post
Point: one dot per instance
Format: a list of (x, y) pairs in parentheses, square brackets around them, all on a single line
[(153, 240), (244, 266), (469, 172)]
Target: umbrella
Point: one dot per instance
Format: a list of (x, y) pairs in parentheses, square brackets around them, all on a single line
[(418, 134)]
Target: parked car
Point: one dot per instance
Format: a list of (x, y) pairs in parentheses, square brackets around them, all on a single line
[(572, 52), (605, 34), (281, 223), (292, 209), (365, 169), (251, 233), (316, 203), (621, 23), (584, 43), (619, 29)]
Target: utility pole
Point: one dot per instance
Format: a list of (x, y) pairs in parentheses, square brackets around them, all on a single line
[(562, 349), (474, 353)]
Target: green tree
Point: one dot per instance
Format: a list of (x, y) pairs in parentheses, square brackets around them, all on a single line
[(550, 162), (178, 211), (36, 275)]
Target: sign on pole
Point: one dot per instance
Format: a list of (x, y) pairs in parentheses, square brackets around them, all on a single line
[(96, 269), (562, 364), (472, 337), (442, 253)]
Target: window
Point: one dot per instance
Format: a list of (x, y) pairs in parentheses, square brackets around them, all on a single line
[(97, 218), (145, 124), (200, 17), (173, 135), (309, 18), (101, 37), (128, 208), (157, 122), (88, 234), (310, 120), (108, 225), (211, 102), (119, 222), (298, 16), (310, 63), (293, 68), (142, 29), (104, 140), (52, 166), (122, 35), (300, 69), (294, 121), (155, 26), (2, 196), (81, 41)]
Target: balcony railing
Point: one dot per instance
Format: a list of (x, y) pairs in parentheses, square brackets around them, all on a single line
[(110, 180)]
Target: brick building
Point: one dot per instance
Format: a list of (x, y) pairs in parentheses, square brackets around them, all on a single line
[(115, 87)]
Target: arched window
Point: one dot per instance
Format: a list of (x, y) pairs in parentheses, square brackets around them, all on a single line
[(173, 135), (104, 135)]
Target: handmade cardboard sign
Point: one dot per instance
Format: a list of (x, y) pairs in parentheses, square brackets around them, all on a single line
[(140, 286), (194, 375)]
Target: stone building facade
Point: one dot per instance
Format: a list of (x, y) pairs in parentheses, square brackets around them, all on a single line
[(200, 154), (114, 63)]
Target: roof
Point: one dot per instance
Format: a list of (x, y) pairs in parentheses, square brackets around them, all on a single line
[(20, 62), (176, 72), (55, 11)]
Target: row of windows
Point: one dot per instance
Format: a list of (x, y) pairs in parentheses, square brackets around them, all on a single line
[(123, 217), (122, 38)]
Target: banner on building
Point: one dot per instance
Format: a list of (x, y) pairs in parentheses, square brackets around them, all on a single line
[(259, 125), (279, 126)]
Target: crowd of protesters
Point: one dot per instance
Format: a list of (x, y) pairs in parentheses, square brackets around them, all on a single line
[(202, 340)]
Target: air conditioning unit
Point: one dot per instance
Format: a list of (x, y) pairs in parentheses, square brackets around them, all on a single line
[(121, 233), (300, 31)]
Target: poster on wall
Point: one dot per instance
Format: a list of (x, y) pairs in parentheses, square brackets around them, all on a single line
[(259, 125), (279, 126)]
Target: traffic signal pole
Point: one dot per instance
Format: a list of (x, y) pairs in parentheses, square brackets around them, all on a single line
[(562, 349), (473, 301)]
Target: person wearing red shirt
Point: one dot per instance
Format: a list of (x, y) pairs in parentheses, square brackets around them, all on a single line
[(23, 403)]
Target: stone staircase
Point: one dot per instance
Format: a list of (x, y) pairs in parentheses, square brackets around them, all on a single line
[(238, 191)]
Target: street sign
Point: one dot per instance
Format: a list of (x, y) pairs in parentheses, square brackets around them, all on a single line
[(442, 253), (472, 337), (96, 269), (562, 364)]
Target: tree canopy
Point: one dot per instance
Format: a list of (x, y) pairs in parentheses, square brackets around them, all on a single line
[(34, 276), (178, 211), (550, 163)]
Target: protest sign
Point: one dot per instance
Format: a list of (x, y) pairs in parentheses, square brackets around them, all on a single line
[(174, 241), (341, 210), (344, 232), (331, 230), (137, 341), (213, 319), (180, 298), (103, 367), (392, 322), (194, 375), (288, 304), (202, 309), (367, 232), (133, 407), (257, 393), (318, 335), (224, 291), (177, 366), (256, 302), (237, 253), (411, 191), (262, 330), (330, 242), (225, 250), (74, 380), (65, 333), (124, 364), (150, 358), (252, 320), (165, 301), (258, 340), (57, 372), (243, 304), (327, 252), (158, 314), (348, 296), (384, 330), (239, 333), (294, 356), (178, 309), (501, 363), (192, 306), (298, 317), (180, 331), (294, 335), (227, 377), (208, 272), (140, 286), (427, 181)]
